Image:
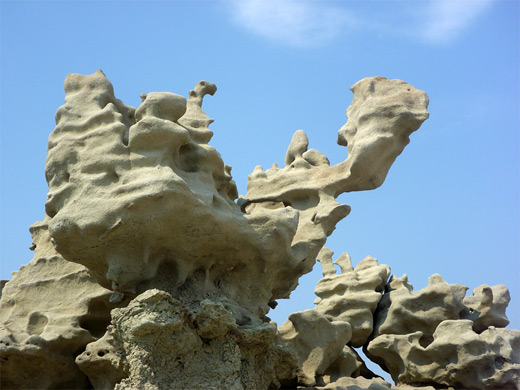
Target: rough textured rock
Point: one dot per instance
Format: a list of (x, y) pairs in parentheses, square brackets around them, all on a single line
[(157, 343), (353, 295), (487, 307), (348, 365), (103, 362), (150, 271), (402, 310), (316, 341), (431, 336), (309, 185), (457, 357), (49, 312), (358, 383)]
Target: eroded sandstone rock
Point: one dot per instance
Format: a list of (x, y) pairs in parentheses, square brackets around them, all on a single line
[(316, 341), (49, 312), (431, 336), (353, 295), (151, 272), (403, 311), (159, 343), (487, 307), (456, 357)]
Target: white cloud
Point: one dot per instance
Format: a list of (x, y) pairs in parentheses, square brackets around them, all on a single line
[(296, 22), (317, 22), (446, 19)]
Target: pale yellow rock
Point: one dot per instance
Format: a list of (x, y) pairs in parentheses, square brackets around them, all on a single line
[(104, 363), (142, 209), (382, 116), (348, 365), (139, 198)]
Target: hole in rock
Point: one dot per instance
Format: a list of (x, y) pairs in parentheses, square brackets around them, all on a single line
[(189, 158), (101, 353), (424, 341), (97, 318)]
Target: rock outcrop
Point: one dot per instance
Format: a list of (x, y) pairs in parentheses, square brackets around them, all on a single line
[(432, 336), (457, 357), (353, 295), (151, 272), (49, 312)]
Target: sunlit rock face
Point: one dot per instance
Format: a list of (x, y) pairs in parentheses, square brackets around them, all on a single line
[(150, 272), (383, 114), (353, 295), (49, 311), (437, 336), (140, 198)]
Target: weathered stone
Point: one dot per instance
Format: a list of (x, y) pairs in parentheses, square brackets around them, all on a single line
[(104, 362), (353, 295), (162, 345), (49, 312), (487, 307), (150, 271), (457, 357), (316, 341)]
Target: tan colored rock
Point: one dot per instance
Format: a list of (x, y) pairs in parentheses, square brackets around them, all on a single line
[(383, 114), (488, 307), (160, 344), (147, 176), (140, 207), (49, 312), (457, 357), (104, 362), (353, 295), (317, 342), (402, 311), (423, 337), (309, 185), (358, 383), (348, 365)]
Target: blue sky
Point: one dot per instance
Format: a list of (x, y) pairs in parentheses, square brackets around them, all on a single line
[(450, 204)]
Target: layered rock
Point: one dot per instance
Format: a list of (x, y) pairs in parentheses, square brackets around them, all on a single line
[(151, 272), (353, 295), (49, 312)]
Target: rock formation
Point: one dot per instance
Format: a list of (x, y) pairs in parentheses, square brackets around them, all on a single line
[(150, 272)]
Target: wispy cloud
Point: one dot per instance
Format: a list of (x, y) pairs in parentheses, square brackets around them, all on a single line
[(295, 22), (313, 23), (446, 19)]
